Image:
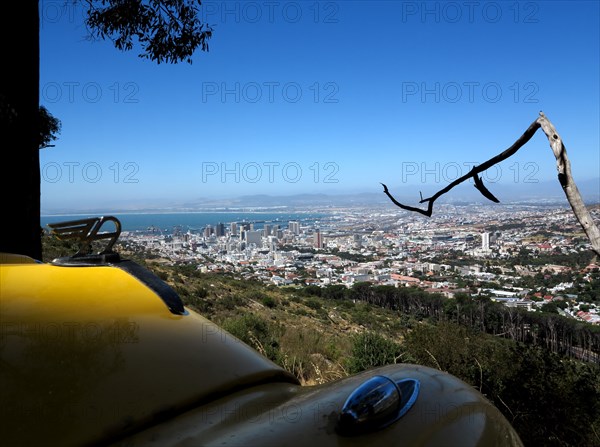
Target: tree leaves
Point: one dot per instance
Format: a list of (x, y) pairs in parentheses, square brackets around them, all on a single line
[(166, 30), (49, 128)]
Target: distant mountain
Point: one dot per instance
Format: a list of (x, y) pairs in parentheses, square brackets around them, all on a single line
[(297, 200), (543, 192)]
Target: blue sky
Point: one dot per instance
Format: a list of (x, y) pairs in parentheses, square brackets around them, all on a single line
[(329, 97)]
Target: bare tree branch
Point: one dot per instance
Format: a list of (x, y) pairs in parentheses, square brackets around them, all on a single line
[(563, 165), (564, 177), (472, 173)]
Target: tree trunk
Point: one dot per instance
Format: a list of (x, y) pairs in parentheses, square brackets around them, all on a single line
[(563, 165), (19, 112)]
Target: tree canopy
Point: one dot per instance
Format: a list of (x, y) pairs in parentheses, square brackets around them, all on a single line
[(49, 128), (167, 30)]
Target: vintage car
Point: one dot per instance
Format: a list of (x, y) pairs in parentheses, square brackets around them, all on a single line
[(97, 350)]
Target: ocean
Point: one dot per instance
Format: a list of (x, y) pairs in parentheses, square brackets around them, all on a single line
[(166, 222)]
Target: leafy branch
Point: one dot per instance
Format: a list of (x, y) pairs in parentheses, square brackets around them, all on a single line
[(167, 30)]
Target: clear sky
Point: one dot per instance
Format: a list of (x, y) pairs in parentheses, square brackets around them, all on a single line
[(330, 97)]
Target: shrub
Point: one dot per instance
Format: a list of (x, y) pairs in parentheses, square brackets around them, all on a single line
[(370, 350), (230, 302), (300, 312), (255, 295), (200, 292), (311, 291), (255, 332), (268, 302), (313, 303), (162, 275)]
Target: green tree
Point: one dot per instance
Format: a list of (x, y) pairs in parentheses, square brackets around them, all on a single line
[(311, 290), (550, 307), (164, 30)]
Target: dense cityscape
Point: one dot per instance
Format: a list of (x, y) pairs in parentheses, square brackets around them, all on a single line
[(533, 257)]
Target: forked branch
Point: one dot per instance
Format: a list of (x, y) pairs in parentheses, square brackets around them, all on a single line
[(564, 177)]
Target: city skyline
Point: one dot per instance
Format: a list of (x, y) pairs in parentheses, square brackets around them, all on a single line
[(490, 248)]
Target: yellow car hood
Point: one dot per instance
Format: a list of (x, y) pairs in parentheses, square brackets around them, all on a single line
[(90, 353)]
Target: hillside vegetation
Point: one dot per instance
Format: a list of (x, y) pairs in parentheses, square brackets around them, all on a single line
[(322, 335)]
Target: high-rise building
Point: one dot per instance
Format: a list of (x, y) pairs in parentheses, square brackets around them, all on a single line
[(294, 227), (494, 237), (485, 241), (267, 230), (220, 230), (272, 243), (254, 237), (318, 239), (233, 228)]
